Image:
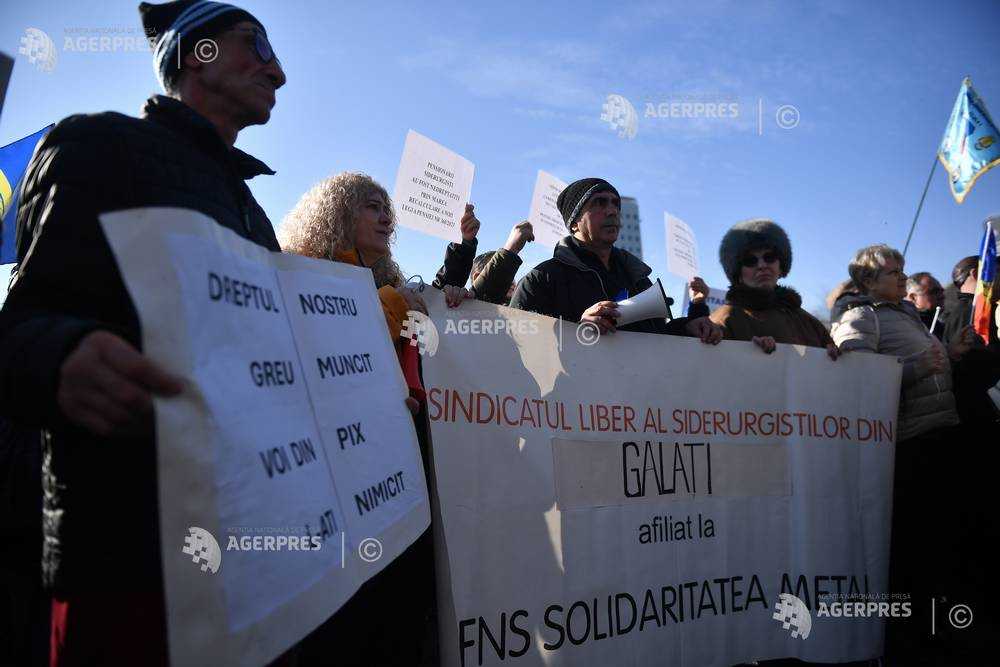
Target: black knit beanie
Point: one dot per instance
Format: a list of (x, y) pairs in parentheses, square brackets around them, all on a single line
[(178, 26), (576, 194), (753, 235)]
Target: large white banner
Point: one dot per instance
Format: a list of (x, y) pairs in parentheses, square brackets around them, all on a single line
[(289, 471), (647, 499), (433, 185)]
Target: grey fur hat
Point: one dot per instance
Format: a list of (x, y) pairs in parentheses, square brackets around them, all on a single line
[(752, 235)]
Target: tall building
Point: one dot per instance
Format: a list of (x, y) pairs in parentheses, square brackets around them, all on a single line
[(628, 237)]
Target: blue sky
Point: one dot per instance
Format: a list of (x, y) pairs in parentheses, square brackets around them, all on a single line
[(519, 87)]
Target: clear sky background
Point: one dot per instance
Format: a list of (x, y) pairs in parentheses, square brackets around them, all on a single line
[(519, 87)]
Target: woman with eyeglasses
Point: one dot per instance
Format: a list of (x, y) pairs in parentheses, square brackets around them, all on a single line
[(878, 319), (928, 435), (755, 254)]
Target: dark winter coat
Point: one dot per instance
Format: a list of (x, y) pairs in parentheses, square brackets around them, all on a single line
[(100, 495), (574, 280), (493, 283), (457, 265), (959, 317), (977, 371), (778, 313)]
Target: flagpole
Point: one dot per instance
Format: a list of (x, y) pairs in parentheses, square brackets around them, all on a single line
[(920, 205)]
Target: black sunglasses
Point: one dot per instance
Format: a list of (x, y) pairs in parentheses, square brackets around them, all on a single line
[(261, 47), (751, 260)]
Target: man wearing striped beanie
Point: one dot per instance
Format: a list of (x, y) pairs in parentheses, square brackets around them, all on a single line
[(71, 360), (212, 54)]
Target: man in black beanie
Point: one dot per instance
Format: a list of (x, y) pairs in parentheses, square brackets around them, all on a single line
[(588, 274), (70, 343)]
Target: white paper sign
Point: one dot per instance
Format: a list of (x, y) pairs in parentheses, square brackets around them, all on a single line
[(682, 248), (546, 220), (293, 425), (433, 185), (634, 501), (715, 299)]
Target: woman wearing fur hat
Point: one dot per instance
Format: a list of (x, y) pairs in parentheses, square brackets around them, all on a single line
[(755, 254)]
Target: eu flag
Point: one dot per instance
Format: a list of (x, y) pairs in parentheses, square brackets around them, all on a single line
[(971, 143), (14, 160)]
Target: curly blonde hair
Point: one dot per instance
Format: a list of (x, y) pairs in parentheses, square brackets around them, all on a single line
[(323, 222)]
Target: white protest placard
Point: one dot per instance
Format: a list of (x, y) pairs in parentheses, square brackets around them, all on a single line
[(433, 185), (682, 248), (715, 299), (632, 500), (545, 218), (290, 460)]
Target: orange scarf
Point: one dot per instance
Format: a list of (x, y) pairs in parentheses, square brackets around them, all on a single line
[(394, 307)]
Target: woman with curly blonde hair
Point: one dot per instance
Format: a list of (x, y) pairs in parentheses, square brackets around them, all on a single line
[(349, 218)]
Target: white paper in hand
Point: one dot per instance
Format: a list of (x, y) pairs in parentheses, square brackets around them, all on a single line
[(545, 218), (682, 248), (433, 185)]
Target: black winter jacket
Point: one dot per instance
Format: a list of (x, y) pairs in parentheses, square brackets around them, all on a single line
[(458, 258), (100, 495), (565, 286), (492, 284)]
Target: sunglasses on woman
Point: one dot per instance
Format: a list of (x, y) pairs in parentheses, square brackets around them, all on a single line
[(751, 260)]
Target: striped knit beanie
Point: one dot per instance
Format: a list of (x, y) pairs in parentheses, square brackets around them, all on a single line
[(177, 27)]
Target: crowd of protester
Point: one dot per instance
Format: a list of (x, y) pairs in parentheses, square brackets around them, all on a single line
[(76, 391)]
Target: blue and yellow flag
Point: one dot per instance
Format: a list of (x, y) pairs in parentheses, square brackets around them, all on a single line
[(14, 159), (971, 143)]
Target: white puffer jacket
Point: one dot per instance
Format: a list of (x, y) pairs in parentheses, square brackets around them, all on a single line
[(927, 401)]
